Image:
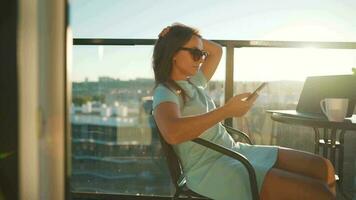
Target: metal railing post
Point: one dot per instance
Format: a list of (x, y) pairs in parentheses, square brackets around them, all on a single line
[(229, 76)]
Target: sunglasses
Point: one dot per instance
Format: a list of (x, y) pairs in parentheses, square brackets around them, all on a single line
[(196, 53)]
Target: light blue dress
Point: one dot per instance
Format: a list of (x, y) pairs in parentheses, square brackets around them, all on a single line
[(208, 172)]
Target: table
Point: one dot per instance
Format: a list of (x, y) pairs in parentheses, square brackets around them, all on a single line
[(333, 135)]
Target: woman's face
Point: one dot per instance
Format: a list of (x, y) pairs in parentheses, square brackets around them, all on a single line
[(184, 64)]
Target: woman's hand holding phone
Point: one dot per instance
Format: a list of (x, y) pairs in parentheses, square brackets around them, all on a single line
[(255, 93), (240, 104), (237, 106)]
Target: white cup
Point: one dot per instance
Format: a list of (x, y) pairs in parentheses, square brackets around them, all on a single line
[(334, 108)]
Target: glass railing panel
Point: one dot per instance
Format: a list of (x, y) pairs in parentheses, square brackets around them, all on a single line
[(285, 69), (115, 145)]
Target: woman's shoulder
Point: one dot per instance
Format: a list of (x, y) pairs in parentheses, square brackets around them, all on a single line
[(164, 94), (162, 89)]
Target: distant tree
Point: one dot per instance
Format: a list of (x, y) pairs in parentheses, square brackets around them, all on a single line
[(80, 100), (100, 98)]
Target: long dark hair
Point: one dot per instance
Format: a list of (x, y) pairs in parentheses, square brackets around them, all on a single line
[(165, 48)]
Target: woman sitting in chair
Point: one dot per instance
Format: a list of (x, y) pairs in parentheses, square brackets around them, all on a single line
[(183, 63)]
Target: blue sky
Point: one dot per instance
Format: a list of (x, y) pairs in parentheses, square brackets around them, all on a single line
[(327, 20)]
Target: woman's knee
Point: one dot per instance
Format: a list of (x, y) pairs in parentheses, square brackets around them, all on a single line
[(328, 170), (294, 186), (306, 163), (322, 169)]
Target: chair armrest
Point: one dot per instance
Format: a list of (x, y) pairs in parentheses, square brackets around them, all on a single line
[(237, 156), (231, 130)]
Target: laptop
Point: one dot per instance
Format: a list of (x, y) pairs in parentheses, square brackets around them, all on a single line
[(316, 88)]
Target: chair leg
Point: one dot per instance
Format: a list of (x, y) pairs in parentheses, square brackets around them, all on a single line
[(176, 195)]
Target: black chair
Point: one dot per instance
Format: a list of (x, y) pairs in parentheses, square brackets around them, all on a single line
[(176, 171)]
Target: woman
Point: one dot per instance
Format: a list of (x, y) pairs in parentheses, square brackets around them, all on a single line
[(183, 63)]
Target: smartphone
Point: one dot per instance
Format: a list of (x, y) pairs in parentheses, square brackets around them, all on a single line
[(254, 93)]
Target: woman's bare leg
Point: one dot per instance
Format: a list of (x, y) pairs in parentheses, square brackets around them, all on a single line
[(280, 185), (307, 164)]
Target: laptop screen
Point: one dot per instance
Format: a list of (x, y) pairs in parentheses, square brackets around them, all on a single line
[(317, 88)]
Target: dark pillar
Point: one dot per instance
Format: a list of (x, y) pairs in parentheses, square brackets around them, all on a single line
[(8, 101)]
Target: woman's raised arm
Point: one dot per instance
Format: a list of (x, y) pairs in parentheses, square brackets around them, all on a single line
[(212, 61)]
